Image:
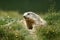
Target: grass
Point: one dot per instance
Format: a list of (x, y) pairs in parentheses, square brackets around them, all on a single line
[(52, 30), (10, 29), (16, 31)]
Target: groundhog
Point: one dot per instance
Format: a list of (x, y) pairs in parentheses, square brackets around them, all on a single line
[(33, 20)]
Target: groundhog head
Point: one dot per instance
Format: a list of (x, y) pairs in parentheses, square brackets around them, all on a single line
[(32, 18), (29, 18)]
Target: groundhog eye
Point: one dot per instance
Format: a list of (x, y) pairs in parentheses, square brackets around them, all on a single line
[(28, 14)]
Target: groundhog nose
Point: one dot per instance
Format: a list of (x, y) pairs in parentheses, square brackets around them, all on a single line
[(24, 16)]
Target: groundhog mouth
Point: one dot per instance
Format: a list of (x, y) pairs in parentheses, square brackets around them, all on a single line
[(29, 22)]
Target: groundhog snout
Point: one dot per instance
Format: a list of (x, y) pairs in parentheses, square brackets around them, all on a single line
[(25, 17)]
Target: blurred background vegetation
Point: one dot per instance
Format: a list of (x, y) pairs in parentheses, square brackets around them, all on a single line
[(29, 5), (11, 12)]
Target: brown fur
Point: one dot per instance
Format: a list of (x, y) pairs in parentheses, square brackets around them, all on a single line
[(29, 22)]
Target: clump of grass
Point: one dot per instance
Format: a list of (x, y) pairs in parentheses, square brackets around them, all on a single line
[(52, 30), (14, 31)]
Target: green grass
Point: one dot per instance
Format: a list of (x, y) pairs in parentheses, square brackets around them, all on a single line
[(16, 31), (52, 30)]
